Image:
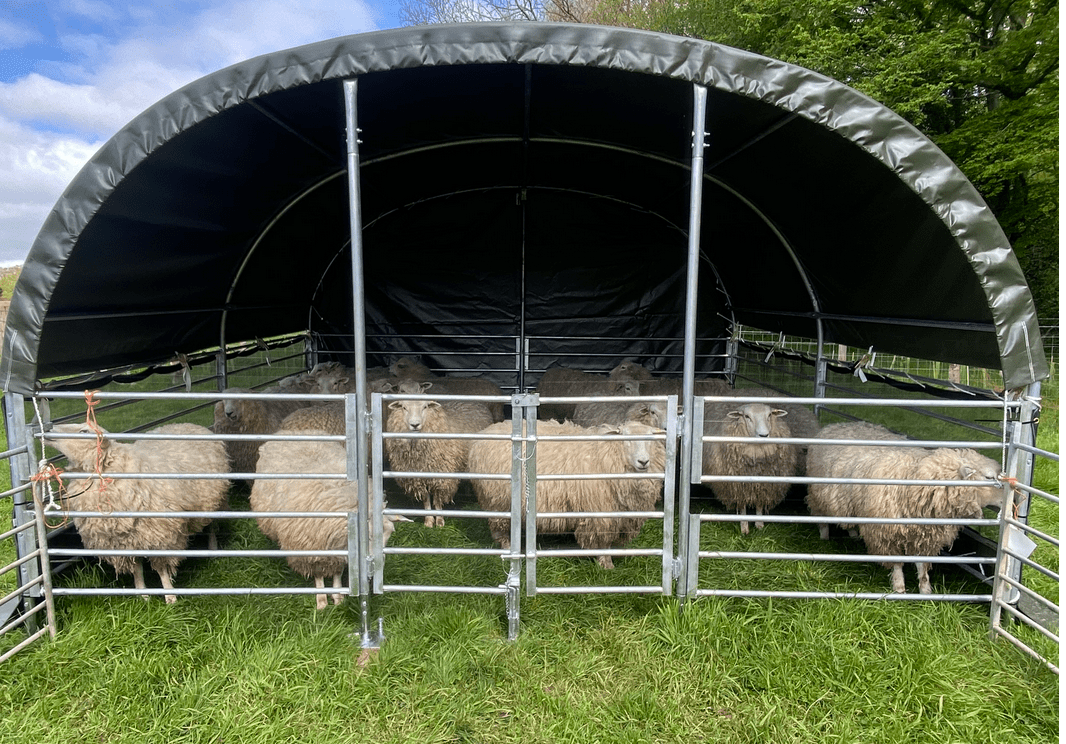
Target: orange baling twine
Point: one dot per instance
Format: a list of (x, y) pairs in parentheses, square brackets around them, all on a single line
[(90, 421), (1013, 483), (40, 479)]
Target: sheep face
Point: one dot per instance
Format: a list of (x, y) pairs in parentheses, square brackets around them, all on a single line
[(757, 419), (408, 368), (630, 370), (415, 412), (980, 469), (80, 452), (639, 453), (652, 414)]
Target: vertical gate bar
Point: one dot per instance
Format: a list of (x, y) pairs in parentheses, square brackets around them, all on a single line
[(820, 365), (692, 559), (526, 102), (1003, 561), (377, 456), (221, 371), (514, 567), (357, 407), (699, 127), (22, 467), (46, 567), (669, 489), (529, 485)]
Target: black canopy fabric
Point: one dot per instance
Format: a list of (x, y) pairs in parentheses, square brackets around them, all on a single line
[(516, 175)]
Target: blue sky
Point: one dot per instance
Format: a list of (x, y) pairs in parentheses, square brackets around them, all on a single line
[(74, 72)]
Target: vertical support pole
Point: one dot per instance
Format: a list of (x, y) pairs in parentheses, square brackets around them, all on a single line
[(514, 568), (821, 367), (22, 467), (688, 425), (46, 567), (528, 94), (356, 408), (221, 372)]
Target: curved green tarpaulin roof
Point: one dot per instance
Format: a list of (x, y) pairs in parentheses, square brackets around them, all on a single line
[(556, 152)]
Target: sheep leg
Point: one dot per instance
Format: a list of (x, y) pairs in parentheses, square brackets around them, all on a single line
[(212, 538), (138, 576), (427, 504), (924, 585), (337, 596), (823, 531), (743, 525), (897, 578), (166, 578), (320, 599), (438, 503), (605, 561), (758, 513)]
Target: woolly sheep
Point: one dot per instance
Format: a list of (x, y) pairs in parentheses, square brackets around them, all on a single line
[(132, 495), (746, 459), (610, 412), (489, 456), (801, 420), (407, 368), (470, 386), (432, 455), (237, 416), (309, 495), (560, 382), (901, 502), (630, 370)]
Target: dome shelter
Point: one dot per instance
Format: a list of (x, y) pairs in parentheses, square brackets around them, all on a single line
[(516, 178), (515, 195)]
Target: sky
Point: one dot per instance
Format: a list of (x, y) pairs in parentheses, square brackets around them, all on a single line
[(74, 72)]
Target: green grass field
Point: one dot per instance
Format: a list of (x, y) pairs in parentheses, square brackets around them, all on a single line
[(620, 668)]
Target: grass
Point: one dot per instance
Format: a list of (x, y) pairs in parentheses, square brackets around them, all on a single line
[(585, 668)]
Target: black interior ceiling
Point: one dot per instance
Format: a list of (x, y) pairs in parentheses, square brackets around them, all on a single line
[(516, 175)]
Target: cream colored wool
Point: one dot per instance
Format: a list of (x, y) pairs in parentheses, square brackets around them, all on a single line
[(309, 495), (562, 382), (133, 495), (432, 455), (576, 457)]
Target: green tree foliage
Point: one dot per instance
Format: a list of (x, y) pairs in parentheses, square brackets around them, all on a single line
[(979, 77)]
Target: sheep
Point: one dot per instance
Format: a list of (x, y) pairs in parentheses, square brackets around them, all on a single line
[(630, 370), (103, 456), (339, 379), (309, 495), (801, 420), (407, 368), (237, 416), (900, 501), (609, 412), (471, 386), (745, 459), (840, 499), (559, 382), (432, 455), (328, 417), (493, 456)]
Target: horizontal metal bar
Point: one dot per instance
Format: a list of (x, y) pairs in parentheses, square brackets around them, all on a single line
[(586, 552), (898, 596), (450, 551), (1022, 647), (198, 514), (599, 589), (1031, 564), (23, 618), (191, 592), (447, 513), (205, 476), (445, 476), (22, 590), (444, 589), (1038, 598), (1023, 618), (591, 515), (913, 443), (843, 557), (803, 519), (152, 553), (1035, 492), (857, 481), (30, 639), (1032, 531), (15, 530), (876, 402), (120, 436), (21, 561), (17, 489), (1036, 450)]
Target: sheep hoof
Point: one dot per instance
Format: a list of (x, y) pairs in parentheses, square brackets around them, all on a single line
[(606, 562), (759, 525), (170, 598), (430, 521), (743, 528), (320, 601), (338, 598), (440, 521)]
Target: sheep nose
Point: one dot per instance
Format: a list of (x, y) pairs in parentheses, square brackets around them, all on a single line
[(415, 425), (642, 463)]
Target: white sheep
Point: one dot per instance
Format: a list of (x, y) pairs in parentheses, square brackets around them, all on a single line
[(408, 368), (491, 456), (103, 455), (608, 412), (564, 382), (767, 458), (309, 495), (247, 416), (431, 455), (900, 501)]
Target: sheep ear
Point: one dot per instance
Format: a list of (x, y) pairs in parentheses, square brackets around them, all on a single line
[(395, 405), (424, 386), (609, 429), (967, 473), (433, 404), (778, 412), (734, 414)]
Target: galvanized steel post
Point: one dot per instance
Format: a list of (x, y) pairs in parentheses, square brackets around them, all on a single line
[(357, 407), (695, 215)]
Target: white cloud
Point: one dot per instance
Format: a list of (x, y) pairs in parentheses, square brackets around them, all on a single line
[(53, 120), (15, 36)]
